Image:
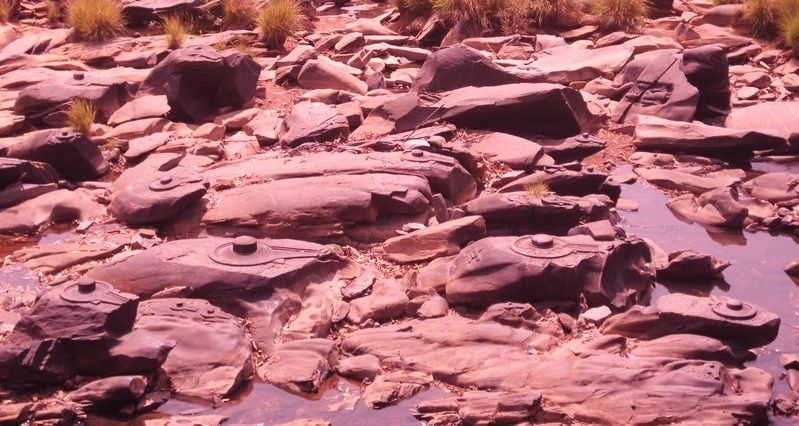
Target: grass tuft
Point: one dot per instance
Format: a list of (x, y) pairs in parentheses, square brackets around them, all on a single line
[(414, 7), (81, 114), (625, 15), (761, 16), (53, 11), (95, 20), (238, 14), (789, 23), (6, 10), (278, 20), (538, 189), (176, 29)]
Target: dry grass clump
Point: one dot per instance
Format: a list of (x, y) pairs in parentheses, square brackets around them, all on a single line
[(278, 20), (414, 7), (625, 15), (81, 114), (761, 16), (238, 14), (53, 11), (6, 10), (176, 29), (499, 16), (789, 23), (538, 189), (95, 20)]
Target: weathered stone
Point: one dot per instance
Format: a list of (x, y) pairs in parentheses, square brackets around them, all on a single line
[(212, 355), (653, 133), (45, 102), (362, 367), (59, 206), (73, 155), (460, 66), (692, 265), (324, 74), (390, 388), (313, 122), (302, 365), (542, 268), (731, 321), (443, 239), (141, 107), (504, 108), (152, 202), (476, 407), (386, 302)]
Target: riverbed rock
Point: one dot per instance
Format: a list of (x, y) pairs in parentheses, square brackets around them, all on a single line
[(662, 90), (503, 108), (356, 207), (513, 151), (313, 122), (13, 170), (460, 66), (520, 212), (653, 133), (679, 180), (390, 388), (301, 366), (444, 173), (110, 392), (776, 117), (73, 155), (774, 187), (728, 320), (543, 268), (443, 239), (718, 207), (475, 407), (324, 74), (212, 355), (361, 367), (45, 102), (197, 79), (692, 265), (145, 202), (563, 181), (386, 302), (61, 206)]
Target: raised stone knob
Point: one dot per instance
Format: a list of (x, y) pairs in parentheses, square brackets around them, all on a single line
[(86, 285), (417, 153), (245, 245), (165, 180), (542, 241), (735, 305)]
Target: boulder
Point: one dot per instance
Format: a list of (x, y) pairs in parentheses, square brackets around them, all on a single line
[(707, 69), (14, 170), (46, 101), (301, 366), (460, 66), (520, 212), (196, 80), (574, 148), (110, 392), (313, 122), (718, 207), (390, 388), (386, 302), (362, 367), (653, 133), (511, 108), (774, 187), (444, 174), (139, 12), (154, 106), (71, 154), (661, 89), (774, 117), (692, 265), (363, 207), (444, 239), (324, 74), (212, 355), (566, 64), (563, 181), (513, 151), (145, 202), (68, 331), (61, 206), (725, 319), (209, 268), (543, 268), (682, 181)]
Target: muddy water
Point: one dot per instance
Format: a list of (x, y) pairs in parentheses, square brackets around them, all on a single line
[(756, 274), (264, 404)]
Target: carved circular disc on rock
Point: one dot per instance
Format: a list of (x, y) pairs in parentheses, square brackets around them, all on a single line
[(247, 251), (242, 251), (164, 183), (734, 309), (541, 246), (87, 290)]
